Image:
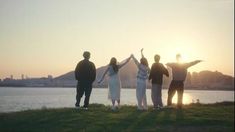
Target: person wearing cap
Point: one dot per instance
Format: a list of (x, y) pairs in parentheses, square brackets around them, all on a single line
[(179, 73), (85, 74)]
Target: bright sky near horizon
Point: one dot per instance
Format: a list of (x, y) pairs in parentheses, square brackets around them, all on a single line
[(42, 37)]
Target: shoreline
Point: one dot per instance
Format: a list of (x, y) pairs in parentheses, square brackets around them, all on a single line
[(106, 88)]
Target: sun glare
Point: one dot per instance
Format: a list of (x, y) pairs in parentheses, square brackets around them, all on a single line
[(187, 99)]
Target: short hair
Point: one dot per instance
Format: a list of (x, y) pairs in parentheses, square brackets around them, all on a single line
[(86, 55), (178, 56), (157, 57)]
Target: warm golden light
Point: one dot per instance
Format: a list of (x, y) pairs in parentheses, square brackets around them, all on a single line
[(187, 99)]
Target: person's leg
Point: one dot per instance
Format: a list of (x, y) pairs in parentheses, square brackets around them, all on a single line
[(113, 104), (154, 95), (80, 92), (171, 93), (138, 95), (118, 101), (180, 93), (144, 98), (159, 95), (87, 94)]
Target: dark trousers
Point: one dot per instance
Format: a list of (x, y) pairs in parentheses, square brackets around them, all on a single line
[(176, 86), (83, 87)]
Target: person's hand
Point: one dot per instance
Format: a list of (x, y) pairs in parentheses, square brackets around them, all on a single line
[(199, 60), (99, 81)]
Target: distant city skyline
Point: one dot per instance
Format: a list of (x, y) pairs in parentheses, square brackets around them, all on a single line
[(40, 38)]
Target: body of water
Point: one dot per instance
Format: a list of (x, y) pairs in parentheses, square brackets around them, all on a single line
[(18, 99)]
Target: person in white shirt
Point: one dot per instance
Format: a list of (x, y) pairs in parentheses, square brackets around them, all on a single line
[(179, 73), (114, 84), (142, 76)]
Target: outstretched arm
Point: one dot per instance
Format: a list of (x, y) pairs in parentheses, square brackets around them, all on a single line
[(193, 63), (169, 64), (102, 78), (126, 61)]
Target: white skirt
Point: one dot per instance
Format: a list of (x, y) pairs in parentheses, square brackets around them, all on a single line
[(114, 87)]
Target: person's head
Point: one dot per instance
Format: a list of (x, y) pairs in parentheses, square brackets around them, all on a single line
[(157, 58), (144, 61), (178, 57), (113, 63), (86, 55)]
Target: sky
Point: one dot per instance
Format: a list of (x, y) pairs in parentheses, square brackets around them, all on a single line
[(48, 37)]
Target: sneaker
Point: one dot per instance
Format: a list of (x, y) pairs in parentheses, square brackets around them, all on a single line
[(140, 108), (169, 107), (78, 107), (85, 108), (113, 108), (159, 108)]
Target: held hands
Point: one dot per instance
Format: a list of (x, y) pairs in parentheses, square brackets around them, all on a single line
[(132, 56), (199, 61)]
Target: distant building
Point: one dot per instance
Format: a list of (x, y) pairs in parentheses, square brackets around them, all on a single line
[(50, 77), (22, 76), (11, 77)]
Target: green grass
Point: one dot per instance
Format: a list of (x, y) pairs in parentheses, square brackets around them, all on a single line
[(193, 117)]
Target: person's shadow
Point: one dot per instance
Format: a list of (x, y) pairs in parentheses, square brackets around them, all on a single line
[(179, 115)]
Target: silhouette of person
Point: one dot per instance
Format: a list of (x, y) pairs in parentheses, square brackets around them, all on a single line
[(114, 80), (179, 73), (85, 74), (156, 75), (142, 76)]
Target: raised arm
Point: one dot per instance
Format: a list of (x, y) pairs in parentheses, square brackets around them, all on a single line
[(125, 62), (142, 54), (135, 60), (105, 72), (193, 63)]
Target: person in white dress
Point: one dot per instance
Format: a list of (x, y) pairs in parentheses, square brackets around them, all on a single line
[(142, 76), (114, 84)]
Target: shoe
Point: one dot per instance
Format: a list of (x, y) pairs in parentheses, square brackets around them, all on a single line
[(85, 108), (140, 108), (78, 107), (169, 107), (113, 108), (179, 106), (145, 108)]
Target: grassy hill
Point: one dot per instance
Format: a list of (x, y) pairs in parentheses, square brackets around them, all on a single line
[(193, 117)]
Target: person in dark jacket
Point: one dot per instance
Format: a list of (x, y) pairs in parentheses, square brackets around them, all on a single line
[(156, 75), (85, 74)]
